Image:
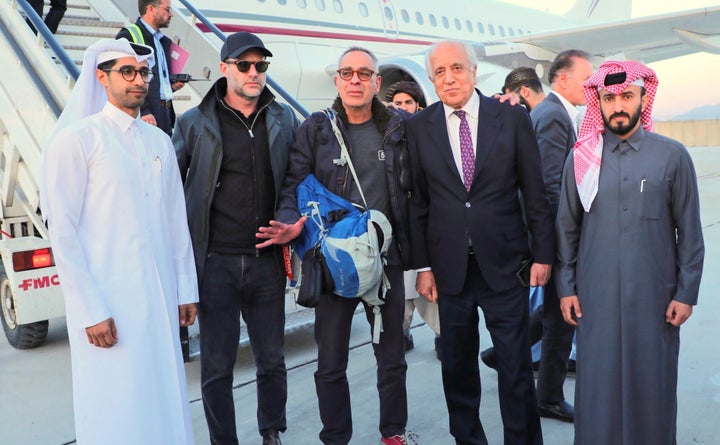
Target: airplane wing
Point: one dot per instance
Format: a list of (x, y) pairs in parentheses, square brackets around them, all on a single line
[(648, 39)]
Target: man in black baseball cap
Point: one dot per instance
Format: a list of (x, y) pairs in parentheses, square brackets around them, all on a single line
[(240, 123), (240, 42)]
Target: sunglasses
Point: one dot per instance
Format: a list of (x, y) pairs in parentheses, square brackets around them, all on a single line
[(244, 65), (129, 73), (347, 73)]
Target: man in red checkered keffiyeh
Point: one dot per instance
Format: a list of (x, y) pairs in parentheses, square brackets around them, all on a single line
[(630, 255), (613, 76)]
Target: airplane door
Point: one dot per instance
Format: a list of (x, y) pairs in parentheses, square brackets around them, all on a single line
[(390, 22)]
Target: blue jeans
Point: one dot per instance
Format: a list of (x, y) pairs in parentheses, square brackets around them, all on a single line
[(333, 320), (254, 287)]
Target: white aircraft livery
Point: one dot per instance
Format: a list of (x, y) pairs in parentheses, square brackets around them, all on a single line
[(307, 36)]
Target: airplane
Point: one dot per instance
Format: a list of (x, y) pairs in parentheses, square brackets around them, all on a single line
[(307, 36)]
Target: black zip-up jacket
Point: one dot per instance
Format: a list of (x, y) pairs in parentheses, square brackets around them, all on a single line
[(198, 146), (316, 146)]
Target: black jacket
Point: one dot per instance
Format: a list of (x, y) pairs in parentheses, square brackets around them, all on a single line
[(315, 148), (198, 146)]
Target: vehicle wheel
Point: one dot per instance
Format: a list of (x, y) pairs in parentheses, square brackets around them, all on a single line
[(23, 336)]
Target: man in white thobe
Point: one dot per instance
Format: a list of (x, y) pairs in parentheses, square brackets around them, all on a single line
[(112, 198)]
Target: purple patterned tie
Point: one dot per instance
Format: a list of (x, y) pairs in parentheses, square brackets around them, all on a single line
[(467, 153)]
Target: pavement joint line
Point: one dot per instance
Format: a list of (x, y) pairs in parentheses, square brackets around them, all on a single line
[(298, 366)]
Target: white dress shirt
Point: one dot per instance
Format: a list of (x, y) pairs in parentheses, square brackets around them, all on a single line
[(472, 109), (571, 109), (162, 65)]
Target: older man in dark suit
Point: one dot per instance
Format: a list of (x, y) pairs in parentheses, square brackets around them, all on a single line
[(470, 154)]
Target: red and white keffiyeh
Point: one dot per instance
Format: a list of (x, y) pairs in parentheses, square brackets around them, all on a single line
[(588, 148)]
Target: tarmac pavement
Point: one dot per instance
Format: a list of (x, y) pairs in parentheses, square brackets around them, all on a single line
[(36, 395)]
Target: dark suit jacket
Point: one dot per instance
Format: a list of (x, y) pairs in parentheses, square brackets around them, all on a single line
[(165, 117), (555, 133), (443, 215)]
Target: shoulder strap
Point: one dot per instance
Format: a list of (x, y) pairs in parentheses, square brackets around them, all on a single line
[(136, 34), (344, 154)]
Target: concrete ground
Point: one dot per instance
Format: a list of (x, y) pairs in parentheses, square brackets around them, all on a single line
[(36, 396)]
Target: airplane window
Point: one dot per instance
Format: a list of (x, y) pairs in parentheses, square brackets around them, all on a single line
[(388, 13), (363, 9), (502, 31), (511, 32), (445, 22), (419, 18), (521, 32), (491, 30), (338, 6), (282, 2), (469, 26), (320, 4), (433, 20), (405, 15), (302, 3), (458, 25), (481, 28)]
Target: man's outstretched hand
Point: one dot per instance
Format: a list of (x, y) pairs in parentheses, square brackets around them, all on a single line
[(279, 233)]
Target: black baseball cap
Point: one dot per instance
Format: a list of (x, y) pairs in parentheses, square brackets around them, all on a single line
[(238, 43)]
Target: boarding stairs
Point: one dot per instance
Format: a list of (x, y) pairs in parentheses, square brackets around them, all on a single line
[(35, 83)]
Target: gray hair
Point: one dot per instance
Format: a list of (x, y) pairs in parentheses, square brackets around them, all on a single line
[(361, 49), (469, 51)]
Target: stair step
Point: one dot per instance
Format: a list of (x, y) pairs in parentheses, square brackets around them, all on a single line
[(75, 61), (67, 17), (91, 22), (73, 5), (78, 6), (75, 32), (73, 40), (75, 47)]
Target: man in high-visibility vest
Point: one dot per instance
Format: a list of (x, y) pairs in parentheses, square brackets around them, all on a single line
[(155, 15)]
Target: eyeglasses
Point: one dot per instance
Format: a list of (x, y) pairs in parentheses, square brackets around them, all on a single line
[(166, 8), (129, 73), (347, 73), (244, 65)]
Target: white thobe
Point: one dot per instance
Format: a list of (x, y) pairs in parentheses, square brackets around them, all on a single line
[(112, 196)]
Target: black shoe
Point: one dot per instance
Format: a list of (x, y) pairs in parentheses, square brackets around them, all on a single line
[(561, 411), (409, 343), (271, 438), (438, 348), (489, 358)]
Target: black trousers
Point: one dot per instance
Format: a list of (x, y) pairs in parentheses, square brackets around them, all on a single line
[(54, 15), (235, 285), (557, 338), (506, 317), (333, 319)]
